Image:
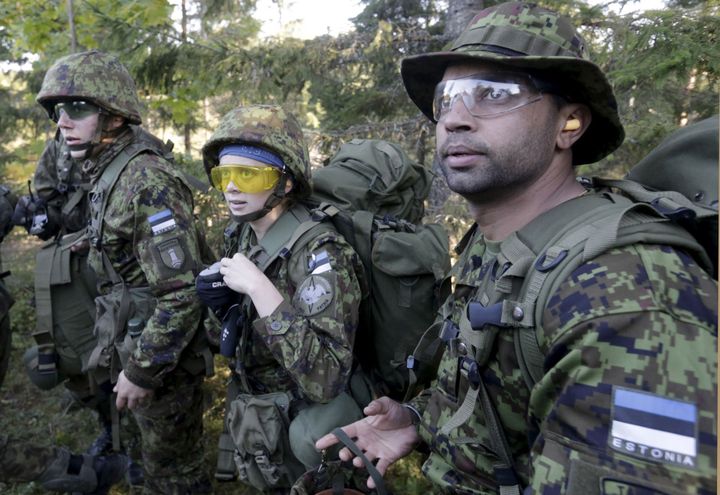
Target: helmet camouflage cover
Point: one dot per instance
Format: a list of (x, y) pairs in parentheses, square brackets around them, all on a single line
[(530, 38), (94, 76), (265, 126)]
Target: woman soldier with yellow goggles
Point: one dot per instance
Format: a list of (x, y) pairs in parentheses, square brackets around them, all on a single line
[(289, 302)]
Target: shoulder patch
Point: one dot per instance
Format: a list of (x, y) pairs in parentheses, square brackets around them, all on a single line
[(162, 222), (314, 295), (654, 427), (171, 253), (319, 263)]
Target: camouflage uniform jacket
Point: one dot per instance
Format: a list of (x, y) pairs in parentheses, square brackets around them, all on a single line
[(60, 182), (152, 240), (306, 344), (627, 334)]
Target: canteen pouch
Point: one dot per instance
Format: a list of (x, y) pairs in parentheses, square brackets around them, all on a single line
[(259, 427)]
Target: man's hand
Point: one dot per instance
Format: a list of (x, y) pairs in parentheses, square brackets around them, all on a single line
[(129, 394), (386, 434)]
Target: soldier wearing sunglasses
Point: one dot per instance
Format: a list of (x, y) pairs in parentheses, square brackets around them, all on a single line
[(65, 286), (145, 248)]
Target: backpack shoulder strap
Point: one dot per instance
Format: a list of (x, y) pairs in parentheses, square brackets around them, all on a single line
[(101, 190), (607, 221)]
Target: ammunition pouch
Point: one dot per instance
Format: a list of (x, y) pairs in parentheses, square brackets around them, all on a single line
[(65, 291), (258, 425)]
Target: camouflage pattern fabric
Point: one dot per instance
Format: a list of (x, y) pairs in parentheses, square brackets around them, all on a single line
[(7, 204), (172, 437), (152, 240), (638, 322), (307, 342), (93, 76), (21, 461), (57, 178), (540, 42)]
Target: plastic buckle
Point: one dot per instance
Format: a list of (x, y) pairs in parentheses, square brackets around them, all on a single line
[(469, 367)]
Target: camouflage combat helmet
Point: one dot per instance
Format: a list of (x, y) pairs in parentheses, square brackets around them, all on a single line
[(93, 76), (527, 37), (269, 127)]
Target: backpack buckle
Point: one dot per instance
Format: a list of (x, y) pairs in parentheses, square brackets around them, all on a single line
[(471, 371), (542, 265), (673, 211)]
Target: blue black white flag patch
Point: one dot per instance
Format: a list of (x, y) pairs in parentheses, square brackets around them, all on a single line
[(162, 222), (654, 427), (319, 263)]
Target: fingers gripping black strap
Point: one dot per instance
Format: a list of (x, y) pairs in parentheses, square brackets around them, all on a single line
[(374, 473)]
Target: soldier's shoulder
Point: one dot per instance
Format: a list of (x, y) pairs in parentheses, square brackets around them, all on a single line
[(632, 279)]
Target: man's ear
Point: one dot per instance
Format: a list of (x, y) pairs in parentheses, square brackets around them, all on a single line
[(574, 120)]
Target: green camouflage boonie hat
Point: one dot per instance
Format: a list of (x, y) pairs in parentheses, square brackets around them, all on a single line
[(265, 126), (94, 76), (527, 37)]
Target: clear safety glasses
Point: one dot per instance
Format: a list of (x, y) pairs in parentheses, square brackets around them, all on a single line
[(485, 95), (247, 178), (75, 110)]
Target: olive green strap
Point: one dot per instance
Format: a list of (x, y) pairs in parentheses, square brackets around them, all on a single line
[(371, 469)]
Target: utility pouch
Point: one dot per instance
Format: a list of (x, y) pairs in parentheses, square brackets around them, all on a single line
[(120, 318), (259, 427)]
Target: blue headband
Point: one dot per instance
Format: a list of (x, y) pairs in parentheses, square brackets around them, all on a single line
[(259, 154)]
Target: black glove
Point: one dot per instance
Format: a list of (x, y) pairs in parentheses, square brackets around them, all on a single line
[(231, 325), (214, 292), (31, 213)]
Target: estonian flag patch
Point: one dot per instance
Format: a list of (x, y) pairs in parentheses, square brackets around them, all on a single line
[(319, 263), (654, 427), (162, 222)]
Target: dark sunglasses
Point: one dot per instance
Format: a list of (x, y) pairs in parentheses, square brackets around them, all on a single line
[(75, 110)]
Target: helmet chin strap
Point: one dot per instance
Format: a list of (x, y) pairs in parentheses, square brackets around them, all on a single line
[(273, 200), (98, 136)]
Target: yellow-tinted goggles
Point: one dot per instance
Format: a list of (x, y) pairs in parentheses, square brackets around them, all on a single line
[(247, 178)]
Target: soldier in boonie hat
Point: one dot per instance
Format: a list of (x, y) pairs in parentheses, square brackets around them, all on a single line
[(527, 37), (565, 356)]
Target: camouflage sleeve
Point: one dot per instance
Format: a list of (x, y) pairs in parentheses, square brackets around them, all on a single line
[(46, 179), (628, 402), (152, 211), (313, 330)]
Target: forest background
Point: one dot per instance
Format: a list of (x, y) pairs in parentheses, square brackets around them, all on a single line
[(193, 60)]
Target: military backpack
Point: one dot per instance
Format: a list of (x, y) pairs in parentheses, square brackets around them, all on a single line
[(373, 194)]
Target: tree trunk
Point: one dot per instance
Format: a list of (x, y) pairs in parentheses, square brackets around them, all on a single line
[(459, 15), (71, 23), (187, 134)]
